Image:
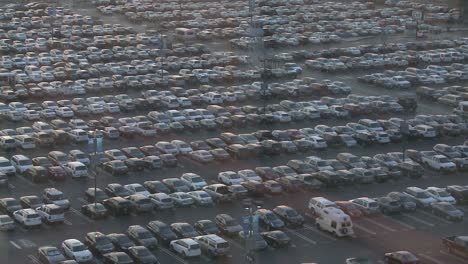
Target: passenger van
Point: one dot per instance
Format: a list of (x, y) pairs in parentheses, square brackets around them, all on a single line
[(76, 169), (21, 163), (335, 221), (25, 142), (51, 213), (78, 135), (426, 131)]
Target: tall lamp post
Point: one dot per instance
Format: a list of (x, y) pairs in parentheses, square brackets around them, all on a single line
[(250, 205)]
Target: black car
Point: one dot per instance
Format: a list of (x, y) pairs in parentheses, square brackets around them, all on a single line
[(183, 230), (9, 205), (36, 174), (117, 258), (94, 211), (290, 183), (141, 255), (289, 216), (100, 195), (388, 205), (206, 227), (254, 188), (267, 173), (176, 185), (118, 206), (156, 187), (276, 238), (169, 160), (133, 152), (135, 164), (161, 231), (116, 190), (460, 193), (142, 236), (31, 201), (150, 150), (121, 241), (227, 224), (98, 243)]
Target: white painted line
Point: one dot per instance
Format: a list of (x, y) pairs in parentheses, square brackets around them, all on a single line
[(34, 259), (311, 228), (364, 229), (67, 222), (435, 217), (14, 244), (453, 256), (181, 260), (400, 222), (81, 200), (418, 220), (379, 224), (302, 236), (432, 259), (11, 186), (78, 213)]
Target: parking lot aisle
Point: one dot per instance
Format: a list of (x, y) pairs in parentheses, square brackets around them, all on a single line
[(303, 237), (80, 215), (381, 225), (364, 231), (322, 234), (417, 219), (399, 222), (167, 256)]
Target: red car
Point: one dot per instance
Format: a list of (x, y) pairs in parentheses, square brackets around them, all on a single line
[(57, 173), (350, 209)]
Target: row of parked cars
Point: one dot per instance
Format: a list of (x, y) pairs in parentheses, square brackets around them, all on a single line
[(390, 60), (432, 74), (204, 236)]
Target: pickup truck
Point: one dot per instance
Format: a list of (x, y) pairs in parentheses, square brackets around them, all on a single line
[(437, 161), (457, 245)]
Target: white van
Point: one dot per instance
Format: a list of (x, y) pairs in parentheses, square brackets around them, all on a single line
[(7, 142), (76, 169), (185, 33), (51, 213), (335, 221), (318, 204), (25, 142), (426, 131), (78, 135)]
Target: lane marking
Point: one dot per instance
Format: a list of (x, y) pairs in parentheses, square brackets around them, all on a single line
[(379, 224), (68, 222), (431, 258), (78, 213), (453, 256), (418, 220), (14, 244), (302, 236), (11, 186), (168, 252), (436, 217), (34, 259), (364, 229), (400, 222), (311, 228)]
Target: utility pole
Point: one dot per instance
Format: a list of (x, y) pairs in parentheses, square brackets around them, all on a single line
[(252, 221)]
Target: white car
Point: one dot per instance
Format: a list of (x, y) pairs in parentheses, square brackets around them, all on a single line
[(161, 201), (183, 147), (282, 116), (31, 115), (229, 178), (75, 249), (27, 217), (136, 188), (201, 198), (194, 181), (64, 112), (441, 195), (181, 199), (186, 247), (201, 156), (317, 142), (249, 175)]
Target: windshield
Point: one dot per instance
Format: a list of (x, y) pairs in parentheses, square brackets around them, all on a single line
[(79, 248), (5, 164), (422, 195), (25, 162)]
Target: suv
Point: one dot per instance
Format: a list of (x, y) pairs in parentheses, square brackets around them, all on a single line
[(317, 204), (421, 197), (213, 245)]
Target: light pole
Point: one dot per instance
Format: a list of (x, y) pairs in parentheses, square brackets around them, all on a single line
[(250, 205)]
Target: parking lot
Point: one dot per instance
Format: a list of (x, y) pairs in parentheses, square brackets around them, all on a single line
[(190, 91)]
